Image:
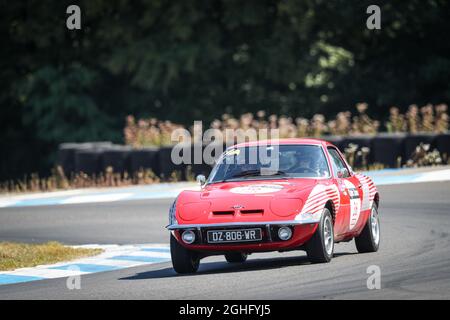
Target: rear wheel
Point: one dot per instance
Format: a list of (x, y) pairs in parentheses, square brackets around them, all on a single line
[(236, 257), (321, 245), (183, 260), (369, 239)]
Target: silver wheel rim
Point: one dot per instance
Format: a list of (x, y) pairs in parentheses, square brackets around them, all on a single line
[(375, 226), (328, 235)]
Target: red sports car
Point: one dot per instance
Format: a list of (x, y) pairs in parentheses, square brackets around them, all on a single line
[(288, 194)]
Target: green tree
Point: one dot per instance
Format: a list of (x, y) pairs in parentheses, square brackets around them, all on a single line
[(186, 60)]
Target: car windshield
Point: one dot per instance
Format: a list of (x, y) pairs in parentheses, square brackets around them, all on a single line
[(270, 162)]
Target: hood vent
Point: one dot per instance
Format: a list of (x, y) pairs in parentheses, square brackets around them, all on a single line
[(221, 213), (254, 211)]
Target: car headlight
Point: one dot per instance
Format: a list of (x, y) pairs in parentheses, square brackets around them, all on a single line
[(172, 213), (284, 233), (188, 236)]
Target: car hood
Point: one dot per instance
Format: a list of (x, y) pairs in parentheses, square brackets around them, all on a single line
[(245, 201)]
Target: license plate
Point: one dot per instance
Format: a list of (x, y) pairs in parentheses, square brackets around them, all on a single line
[(227, 236)]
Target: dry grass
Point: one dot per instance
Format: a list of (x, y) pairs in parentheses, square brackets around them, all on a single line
[(375, 166), (154, 132), (22, 255), (58, 181)]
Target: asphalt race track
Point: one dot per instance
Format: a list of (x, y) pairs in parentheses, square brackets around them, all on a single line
[(414, 256)]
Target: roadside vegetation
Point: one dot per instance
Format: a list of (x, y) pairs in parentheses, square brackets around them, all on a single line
[(140, 133), (23, 255), (58, 181), (153, 132)]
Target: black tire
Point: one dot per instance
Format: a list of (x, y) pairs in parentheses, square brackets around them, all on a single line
[(316, 247), (369, 240), (183, 260), (236, 257)]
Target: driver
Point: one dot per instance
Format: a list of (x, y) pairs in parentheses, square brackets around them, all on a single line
[(305, 163), (287, 161)]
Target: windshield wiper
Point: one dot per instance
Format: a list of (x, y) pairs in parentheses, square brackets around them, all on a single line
[(277, 173), (246, 173), (250, 173)]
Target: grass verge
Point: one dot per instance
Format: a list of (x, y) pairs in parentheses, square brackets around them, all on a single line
[(23, 255)]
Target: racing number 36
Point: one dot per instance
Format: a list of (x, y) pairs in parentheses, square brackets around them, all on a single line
[(349, 191)]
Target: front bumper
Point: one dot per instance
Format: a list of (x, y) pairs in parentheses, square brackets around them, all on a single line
[(309, 220), (302, 232)]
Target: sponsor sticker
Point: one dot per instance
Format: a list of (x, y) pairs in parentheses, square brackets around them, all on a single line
[(257, 189)]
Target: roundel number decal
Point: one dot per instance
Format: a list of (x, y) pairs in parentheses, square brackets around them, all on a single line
[(257, 188), (355, 203)]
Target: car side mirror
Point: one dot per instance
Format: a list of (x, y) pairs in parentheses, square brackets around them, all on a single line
[(201, 179), (343, 173)]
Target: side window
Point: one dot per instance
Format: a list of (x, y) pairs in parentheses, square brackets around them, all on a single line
[(337, 162)]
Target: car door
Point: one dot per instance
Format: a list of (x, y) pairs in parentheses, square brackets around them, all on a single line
[(350, 193)]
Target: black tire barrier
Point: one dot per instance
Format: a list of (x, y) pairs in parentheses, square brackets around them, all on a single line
[(387, 149), (206, 165), (66, 153), (412, 141), (66, 157), (93, 158), (442, 143), (144, 159), (115, 157), (88, 162), (167, 166)]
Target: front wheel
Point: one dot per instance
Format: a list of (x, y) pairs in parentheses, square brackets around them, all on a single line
[(369, 239), (321, 245), (236, 257), (183, 260)]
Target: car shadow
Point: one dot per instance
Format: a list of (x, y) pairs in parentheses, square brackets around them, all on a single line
[(218, 267)]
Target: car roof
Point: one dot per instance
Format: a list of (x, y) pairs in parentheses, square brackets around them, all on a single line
[(306, 141)]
